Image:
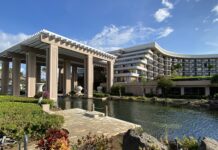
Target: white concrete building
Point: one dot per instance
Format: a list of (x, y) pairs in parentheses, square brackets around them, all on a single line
[(150, 61)]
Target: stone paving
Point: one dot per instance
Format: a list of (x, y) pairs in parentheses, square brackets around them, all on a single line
[(79, 124)]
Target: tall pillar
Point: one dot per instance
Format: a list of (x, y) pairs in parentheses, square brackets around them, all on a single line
[(16, 76), (110, 75), (182, 91), (67, 77), (38, 73), (52, 71), (207, 91), (60, 78), (31, 74), (74, 77), (88, 77), (5, 76)]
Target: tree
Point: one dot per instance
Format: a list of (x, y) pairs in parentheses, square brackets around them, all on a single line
[(176, 68), (214, 79), (209, 68), (165, 83), (144, 81)]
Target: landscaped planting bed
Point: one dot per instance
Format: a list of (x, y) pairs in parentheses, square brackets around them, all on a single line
[(17, 118), (8, 98)]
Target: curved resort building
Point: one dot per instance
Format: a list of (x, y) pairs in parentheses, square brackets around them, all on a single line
[(150, 61)]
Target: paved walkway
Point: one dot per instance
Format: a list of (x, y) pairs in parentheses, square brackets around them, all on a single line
[(79, 124)]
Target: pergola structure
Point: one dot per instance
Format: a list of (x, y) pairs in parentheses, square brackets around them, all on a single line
[(56, 52)]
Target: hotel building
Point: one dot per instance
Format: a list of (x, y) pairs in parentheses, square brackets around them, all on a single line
[(150, 61)]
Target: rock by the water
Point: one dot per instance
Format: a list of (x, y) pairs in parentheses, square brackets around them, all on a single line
[(213, 104), (135, 139), (208, 144)]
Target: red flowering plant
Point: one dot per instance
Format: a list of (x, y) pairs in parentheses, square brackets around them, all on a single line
[(45, 94), (55, 139)]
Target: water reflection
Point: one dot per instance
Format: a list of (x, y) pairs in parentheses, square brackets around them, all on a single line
[(156, 120)]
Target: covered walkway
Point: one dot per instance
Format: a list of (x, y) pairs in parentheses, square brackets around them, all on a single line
[(60, 55)]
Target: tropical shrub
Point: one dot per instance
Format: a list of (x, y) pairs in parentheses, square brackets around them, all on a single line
[(117, 90), (165, 83), (93, 142), (19, 118), (214, 79), (215, 96), (8, 98), (100, 94), (55, 139), (188, 143)]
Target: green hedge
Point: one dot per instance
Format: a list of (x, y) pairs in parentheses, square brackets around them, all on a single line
[(116, 89), (186, 96), (101, 95), (181, 78), (8, 98), (17, 118)]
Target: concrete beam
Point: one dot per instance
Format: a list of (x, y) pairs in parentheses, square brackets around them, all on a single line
[(38, 72), (67, 76), (31, 74), (74, 77), (5, 76), (52, 69), (110, 75), (207, 91), (182, 91), (16, 76), (89, 76)]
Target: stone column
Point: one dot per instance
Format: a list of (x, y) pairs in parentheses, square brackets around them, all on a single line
[(88, 76), (16, 76), (30, 74), (60, 78), (182, 91), (110, 75), (85, 76), (74, 77), (52, 71), (207, 91), (5, 76), (67, 76), (38, 73)]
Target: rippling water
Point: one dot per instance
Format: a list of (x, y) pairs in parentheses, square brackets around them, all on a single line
[(155, 119)]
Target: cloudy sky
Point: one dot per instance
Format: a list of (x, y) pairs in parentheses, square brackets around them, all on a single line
[(183, 26)]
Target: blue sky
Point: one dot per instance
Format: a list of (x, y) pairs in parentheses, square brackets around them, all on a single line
[(183, 26)]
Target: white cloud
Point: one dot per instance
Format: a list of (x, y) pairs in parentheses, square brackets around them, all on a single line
[(213, 44), (161, 14), (193, 0), (165, 32), (196, 28), (167, 4), (114, 37), (215, 9), (215, 20), (7, 39)]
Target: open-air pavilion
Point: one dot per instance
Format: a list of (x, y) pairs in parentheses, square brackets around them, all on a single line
[(58, 54)]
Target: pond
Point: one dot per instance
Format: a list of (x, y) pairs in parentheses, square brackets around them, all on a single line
[(157, 120)]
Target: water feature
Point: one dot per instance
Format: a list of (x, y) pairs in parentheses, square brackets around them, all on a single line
[(156, 120)]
